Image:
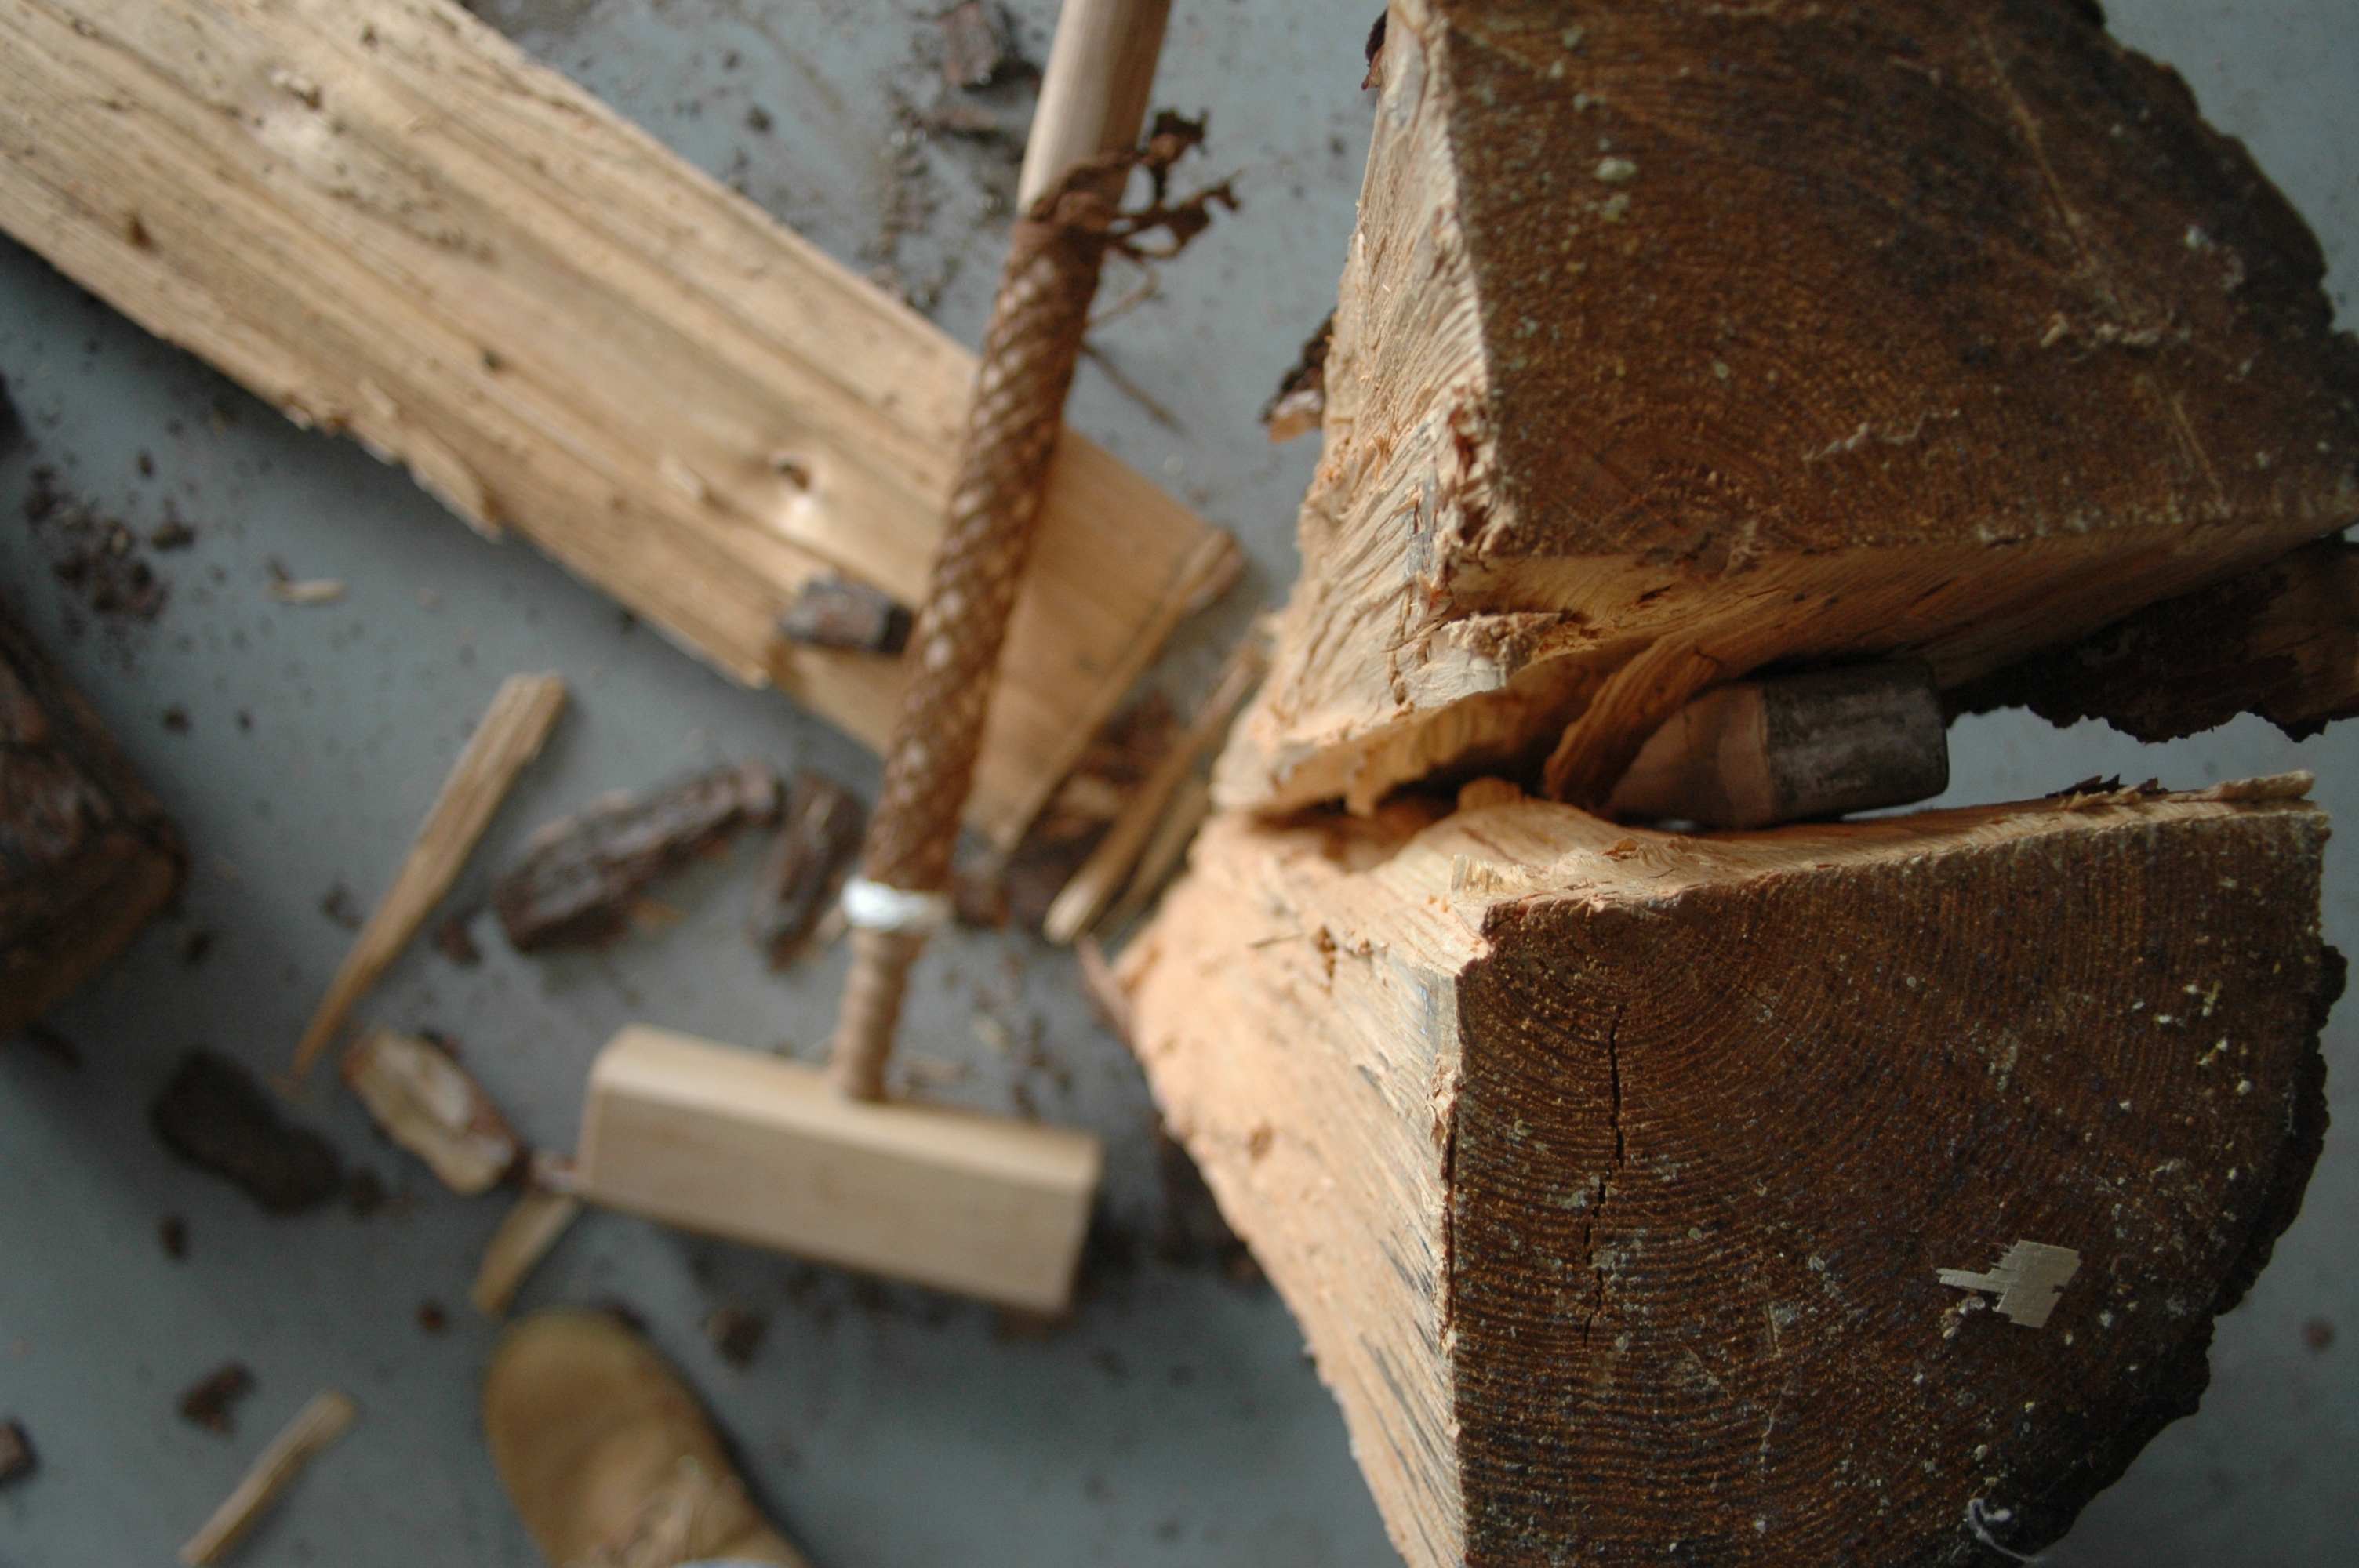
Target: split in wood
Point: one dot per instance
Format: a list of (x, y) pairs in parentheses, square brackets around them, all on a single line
[(1758, 753), (582, 875), (805, 866), (328, 1416), (507, 739), (87, 855), (829, 613), (1480, 583), (431, 1106)]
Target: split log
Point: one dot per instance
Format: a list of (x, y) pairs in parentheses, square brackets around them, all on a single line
[(2282, 643), (87, 855), (582, 875), (1679, 339), (1644, 1198), (383, 218)]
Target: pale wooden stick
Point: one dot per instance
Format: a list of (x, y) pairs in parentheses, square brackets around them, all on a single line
[(1094, 92), (510, 737), (1162, 855), (1084, 898), (523, 1240), (327, 1417)]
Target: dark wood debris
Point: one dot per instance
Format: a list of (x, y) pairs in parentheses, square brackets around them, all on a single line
[(214, 1115), (582, 875), (210, 1402), (457, 943), (172, 1234), (98, 558), (804, 866), (833, 612), (431, 1318), (736, 1332), (17, 1459), (1301, 403), (978, 45)]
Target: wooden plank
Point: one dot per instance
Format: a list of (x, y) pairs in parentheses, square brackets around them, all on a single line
[(508, 737), (1937, 328), (87, 855), (383, 219), (765, 1150), (1616, 1177)]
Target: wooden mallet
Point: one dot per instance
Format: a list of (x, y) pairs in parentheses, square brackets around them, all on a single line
[(766, 1151)]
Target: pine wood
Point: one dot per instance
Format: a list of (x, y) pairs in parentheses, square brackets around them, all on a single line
[(430, 1105), (1613, 1175), (87, 855), (1094, 92), (765, 1150), (506, 740), (2281, 642), (327, 1417), (1679, 339), (383, 219)]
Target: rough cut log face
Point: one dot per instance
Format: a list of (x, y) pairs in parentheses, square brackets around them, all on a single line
[(1677, 339), (1610, 1174)]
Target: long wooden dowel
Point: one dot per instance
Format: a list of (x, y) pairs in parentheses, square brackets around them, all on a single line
[(1029, 354), (328, 1416), (1094, 92), (508, 738)]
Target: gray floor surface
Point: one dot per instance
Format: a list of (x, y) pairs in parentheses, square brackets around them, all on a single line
[(1176, 1419)]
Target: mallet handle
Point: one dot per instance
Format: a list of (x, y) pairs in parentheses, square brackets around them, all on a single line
[(1093, 102)]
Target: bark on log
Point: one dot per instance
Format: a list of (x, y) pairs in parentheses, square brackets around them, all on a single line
[(1614, 1176), (87, 855), (2282, 643), (1677, 339), (383, 218)]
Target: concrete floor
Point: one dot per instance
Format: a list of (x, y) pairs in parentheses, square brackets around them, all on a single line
[(1176, 1419)]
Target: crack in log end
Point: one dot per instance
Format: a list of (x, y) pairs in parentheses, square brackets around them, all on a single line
[(1604, 1192)]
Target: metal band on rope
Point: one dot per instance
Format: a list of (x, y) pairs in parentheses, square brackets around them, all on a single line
[(874, 906)]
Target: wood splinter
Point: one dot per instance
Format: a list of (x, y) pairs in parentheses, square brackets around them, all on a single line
[(328, 1416), (506, 740), (532, 1229)]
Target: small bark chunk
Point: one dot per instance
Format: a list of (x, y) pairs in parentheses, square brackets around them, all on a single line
[(805, 866), (577, 881), (87, 855), (214, 1115), (210, 1401), (831, 612)]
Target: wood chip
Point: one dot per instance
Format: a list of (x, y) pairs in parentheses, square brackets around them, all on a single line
[(431, 1106), (829, 613), (17, 1459), (327, 1417), (312, 590), (216, 1117), (508, 738)]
